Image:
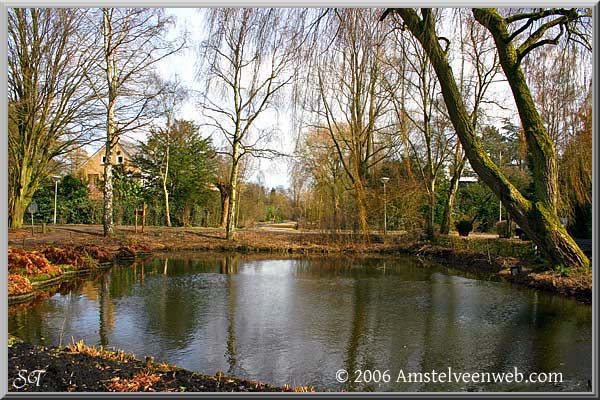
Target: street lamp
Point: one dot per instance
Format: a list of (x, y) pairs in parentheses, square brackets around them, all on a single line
[(384, 180), (55, 178)]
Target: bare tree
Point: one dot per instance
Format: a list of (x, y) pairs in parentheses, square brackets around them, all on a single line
[(172, 95), (248, 62), (133, 42), (427, 135), (317, 156), (536, 215), (51, 108), (350, 100)]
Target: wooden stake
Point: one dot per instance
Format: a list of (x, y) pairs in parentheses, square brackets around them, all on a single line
[(143, 217)]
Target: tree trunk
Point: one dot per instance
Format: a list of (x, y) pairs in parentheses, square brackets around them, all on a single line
[(167, 211), (107, 216), (164, 186), (447, 219), (166, 173), (224, 191), (361, 203), (430, 223), (22, 197), (537, 217), (18, 210), (233, 189)]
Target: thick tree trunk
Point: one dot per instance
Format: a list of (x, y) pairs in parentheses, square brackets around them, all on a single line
[(537, 217), (447, 219), (362, 211), (18, 210), (224, 191), (21, 197), (361, 199)]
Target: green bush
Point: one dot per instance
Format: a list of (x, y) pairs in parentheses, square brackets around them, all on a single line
[(464, 227), (502, 229)]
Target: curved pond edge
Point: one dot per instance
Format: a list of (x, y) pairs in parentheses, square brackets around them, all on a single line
[(21, 298), (47, 282), (118, 371), (41, 285), (528, 272)]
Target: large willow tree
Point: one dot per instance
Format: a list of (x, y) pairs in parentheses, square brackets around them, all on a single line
[(515, 36)]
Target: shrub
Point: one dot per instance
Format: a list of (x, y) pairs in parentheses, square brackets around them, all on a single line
[(70, 256), (464, 227), (502, 229), (94, 252), (30, 263), (18, 284), (63, 256)]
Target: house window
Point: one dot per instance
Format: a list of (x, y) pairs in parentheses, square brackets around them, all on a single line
[(119, 159), (103, 159)]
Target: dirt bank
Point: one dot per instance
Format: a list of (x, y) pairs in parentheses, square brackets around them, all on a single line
[(79, 368), (478, 253)]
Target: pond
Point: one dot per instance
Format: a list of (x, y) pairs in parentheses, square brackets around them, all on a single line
[(299, 320)]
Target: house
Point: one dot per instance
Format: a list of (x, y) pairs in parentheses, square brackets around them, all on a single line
[(468, 179), (92, 169)]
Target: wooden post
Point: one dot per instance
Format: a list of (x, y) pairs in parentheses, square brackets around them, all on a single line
[(136, 215), (143, 217)]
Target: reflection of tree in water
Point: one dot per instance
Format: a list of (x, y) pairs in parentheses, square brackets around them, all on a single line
[(438, 338), (229, 266), (535, 335), (106, 310), (173, 311), (359, 322)]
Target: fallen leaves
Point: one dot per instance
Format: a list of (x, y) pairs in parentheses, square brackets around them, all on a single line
[(18, 285), (142, 381)]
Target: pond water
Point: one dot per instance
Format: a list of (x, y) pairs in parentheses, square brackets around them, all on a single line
[(298, 321)]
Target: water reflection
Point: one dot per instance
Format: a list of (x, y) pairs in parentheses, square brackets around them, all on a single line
[(298, 321)]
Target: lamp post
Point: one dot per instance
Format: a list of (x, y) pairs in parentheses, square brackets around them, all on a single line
[(384, 180), (500, 201), (56, 179), (33, 208)]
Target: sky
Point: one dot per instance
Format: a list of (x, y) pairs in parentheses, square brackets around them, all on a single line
[(184, 66)]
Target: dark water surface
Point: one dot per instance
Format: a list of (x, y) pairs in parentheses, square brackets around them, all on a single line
[(298, 321)]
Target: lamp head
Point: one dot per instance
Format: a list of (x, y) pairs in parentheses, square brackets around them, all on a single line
[(384, 179)]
